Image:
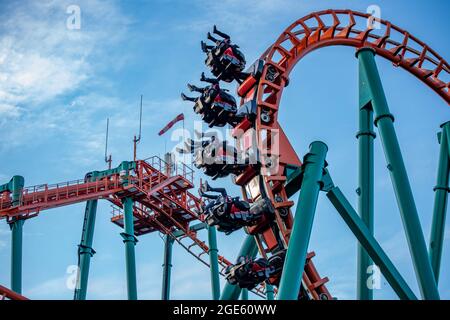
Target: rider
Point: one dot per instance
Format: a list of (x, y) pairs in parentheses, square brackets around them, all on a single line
[(230, 213), (216, 105), (225, 42), (249, 272), (204, 91), (224, 59)]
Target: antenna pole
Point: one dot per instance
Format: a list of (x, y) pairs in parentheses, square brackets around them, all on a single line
[(138, 138), (108, 159)]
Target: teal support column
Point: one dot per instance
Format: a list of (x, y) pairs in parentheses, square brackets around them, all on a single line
[(384, 120), (16, 186), (167, 267), (446, 128), (370, 244), (16, 254), (313, 167), (130, 242), (244, 294), (269, 292), (365, 190), (85, 250), (214, 263), (440, 202), (249, 249)]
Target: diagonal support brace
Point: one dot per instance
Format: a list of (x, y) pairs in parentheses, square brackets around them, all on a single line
[(366, 239)]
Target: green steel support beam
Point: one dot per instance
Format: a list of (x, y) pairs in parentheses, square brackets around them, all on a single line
[(440, 202), (194, 228), (405, 200), (293, 179), (249, 249), (446, 128), (214, 263), (16, 254), (124, 166), (269, 292), (244, 294), (15, 186), (130, 242), (167, 266), (370, 244), (313, 167), (85, 250), (365, 190)]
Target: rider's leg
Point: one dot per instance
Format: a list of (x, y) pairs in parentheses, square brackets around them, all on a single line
[(222, 191), (210, 37), (193, 88), (185, 97), (209, 80), (223, 35), (205, 47)]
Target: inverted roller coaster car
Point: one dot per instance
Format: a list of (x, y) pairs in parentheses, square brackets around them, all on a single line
[(224, 59), (230, 213), (217, 158), (215, 105), (248, 273)]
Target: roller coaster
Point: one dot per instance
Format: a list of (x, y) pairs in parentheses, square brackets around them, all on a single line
[(154, 195)]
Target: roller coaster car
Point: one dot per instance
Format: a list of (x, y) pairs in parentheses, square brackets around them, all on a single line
[(224, 59), (231, 214), (248, 273), (215, 105), (218, 159)]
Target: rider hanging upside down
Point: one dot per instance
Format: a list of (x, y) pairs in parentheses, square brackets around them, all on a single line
[(215, 105), (224, 59), (216, 158), (248, 273), (231, 214)]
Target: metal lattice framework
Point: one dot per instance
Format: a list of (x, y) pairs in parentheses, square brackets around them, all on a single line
[(314, 31), (152, 195)]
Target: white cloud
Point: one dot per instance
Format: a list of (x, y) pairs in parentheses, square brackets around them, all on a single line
[(9, 110), (41, 59), (51, 289)]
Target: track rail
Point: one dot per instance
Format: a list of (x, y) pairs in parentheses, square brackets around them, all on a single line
[(314, 31)]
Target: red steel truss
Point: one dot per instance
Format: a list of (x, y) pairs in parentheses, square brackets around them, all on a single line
[(316, 30)]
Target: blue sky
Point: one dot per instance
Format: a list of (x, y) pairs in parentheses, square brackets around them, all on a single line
[(58, 86)]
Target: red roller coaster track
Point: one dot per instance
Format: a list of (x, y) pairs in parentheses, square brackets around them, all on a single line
[(163, 202), (303, 36)]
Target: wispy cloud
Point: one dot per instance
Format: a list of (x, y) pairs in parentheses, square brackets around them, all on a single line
[(42, 60)]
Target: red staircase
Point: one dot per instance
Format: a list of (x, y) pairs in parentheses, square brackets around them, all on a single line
[(161, 199)]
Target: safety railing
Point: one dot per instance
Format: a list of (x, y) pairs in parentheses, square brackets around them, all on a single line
[(63, 191), (171, 169)]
